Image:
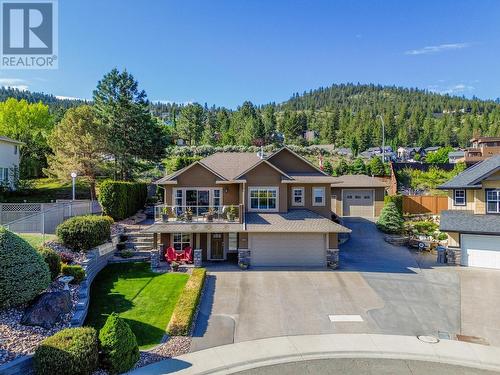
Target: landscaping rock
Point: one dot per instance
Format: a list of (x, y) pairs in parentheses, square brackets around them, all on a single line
[(47, 309)]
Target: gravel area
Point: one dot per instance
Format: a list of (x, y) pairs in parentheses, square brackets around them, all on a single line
[(17, 340)]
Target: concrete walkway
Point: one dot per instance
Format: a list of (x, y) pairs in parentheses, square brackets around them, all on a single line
[(279, 351)]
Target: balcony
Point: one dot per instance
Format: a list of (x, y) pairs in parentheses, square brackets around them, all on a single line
[(199, 214)]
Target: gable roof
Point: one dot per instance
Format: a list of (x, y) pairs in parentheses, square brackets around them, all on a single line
[(358, 181), (298, 156), (473, 176), (231, 164), (180, 171), (263, 161), (10, 140)]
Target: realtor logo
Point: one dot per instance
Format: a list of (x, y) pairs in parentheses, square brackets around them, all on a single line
[(29, 34)]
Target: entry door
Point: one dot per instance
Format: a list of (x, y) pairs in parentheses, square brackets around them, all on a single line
[(217, 246)]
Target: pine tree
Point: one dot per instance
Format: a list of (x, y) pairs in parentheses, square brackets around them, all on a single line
[(390, 220)]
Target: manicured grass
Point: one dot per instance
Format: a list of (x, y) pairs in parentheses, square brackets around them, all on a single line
[(45, 190), (143, 298), (35, 239)]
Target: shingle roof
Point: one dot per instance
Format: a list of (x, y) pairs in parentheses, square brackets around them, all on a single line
[(10, 140), (231, 164), (464, 221), (312, 178), (357, 181), (472, 177), (298, 221)]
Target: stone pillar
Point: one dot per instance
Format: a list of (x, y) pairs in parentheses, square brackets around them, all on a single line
[(332, 258), (197, 257), (453, 256), (244, 257)]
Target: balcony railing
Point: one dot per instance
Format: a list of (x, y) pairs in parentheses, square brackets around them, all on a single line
[(199, 214)]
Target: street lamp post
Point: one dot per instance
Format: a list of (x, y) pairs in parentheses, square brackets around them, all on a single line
[(73, 180), (383, 138)]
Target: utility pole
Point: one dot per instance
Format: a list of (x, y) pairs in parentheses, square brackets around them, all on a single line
[(383, 138)]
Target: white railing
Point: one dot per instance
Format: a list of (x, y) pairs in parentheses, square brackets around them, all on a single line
[(204, 214)]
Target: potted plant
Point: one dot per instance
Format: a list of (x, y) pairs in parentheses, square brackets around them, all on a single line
[(188, 214), (210, 214), (175, 266), (231, 213), (243, 266), (164, 214)]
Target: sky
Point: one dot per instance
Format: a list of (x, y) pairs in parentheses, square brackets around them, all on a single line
[(223, 52)]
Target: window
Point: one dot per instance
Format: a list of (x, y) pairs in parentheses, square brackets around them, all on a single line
[(178, 198), (4, 175), (298, 196), (263, 199), (318, 196), (459, 197), (233, 241), (217, 201), (181, 241), (197, 197), (493, 201)]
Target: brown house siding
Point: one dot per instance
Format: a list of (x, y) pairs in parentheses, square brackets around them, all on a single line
[(289, 163), (243, 240), (265, 175), (333, 241), (325, 210)]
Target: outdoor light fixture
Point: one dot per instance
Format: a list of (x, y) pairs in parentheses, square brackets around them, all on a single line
[(73, 180)]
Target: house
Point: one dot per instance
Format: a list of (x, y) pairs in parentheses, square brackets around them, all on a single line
[(455, 156), (358, 195), (481, 149), (273, 209), (472, 220), (310, 135), (408, 153), (9, 161), (430, 149)]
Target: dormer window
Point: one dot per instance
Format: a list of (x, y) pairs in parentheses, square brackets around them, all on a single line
[(459, 197)]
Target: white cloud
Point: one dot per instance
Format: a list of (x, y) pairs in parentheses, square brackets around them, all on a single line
[(457, 89), (15, 83), (437, 49)]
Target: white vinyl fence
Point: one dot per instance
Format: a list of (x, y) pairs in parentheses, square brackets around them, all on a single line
[(43, 217)]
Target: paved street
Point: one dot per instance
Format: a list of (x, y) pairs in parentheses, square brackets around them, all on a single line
[(392, 289)]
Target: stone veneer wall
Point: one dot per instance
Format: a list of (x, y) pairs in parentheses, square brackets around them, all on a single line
[(454, 256), (332, 258)]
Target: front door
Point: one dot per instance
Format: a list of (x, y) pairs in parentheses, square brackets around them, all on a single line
[(217, 246)]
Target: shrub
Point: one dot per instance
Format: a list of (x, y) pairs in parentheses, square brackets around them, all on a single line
[(76, 271), (121, 199), (426, 228), (23, 272), (85, 232), (52, 259), (67, 257), (390, 220), (126, 253), (120, 351), (182, 317), (397, 199), (72, 351)]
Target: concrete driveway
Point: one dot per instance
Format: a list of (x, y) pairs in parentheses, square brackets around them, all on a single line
[(393, 290)]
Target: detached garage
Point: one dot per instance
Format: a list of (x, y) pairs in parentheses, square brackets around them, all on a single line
[(358, 196), (288, 249), (480, 251)]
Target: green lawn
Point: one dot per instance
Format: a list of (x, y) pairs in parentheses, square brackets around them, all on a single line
[(36, 239), (45, 190), (143, 298)]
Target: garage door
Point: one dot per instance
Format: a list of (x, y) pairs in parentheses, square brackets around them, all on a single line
[(288, 249), (480, 251), (358, 203)]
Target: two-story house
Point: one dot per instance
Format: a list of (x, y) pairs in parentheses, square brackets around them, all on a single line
[(9, 160), (472, 220), (275, 209), (482, 148)]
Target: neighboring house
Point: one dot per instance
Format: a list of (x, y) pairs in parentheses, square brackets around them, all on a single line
[(373, 152), (408, 153), (430, 149), (472, 221), (482, 148), (281, 205), (310, 135), (358, 195), (455, 156), (9, 160)]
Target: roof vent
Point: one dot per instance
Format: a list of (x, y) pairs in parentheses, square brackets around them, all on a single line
[(260, 154)]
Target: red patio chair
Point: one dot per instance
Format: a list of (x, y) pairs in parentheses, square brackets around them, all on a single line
[(187, 255), (171, 255)]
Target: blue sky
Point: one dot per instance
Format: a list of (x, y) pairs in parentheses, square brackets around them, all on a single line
[(225, 52)]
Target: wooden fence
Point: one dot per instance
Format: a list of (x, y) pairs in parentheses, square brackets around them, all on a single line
[(424, 204)]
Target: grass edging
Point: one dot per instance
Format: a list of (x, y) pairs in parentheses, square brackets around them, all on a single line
[(185, 309)]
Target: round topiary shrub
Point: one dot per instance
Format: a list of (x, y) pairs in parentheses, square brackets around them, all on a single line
[(52, 259), (120, 351), (23, 273), (72, 351), (84, 232), (390, 219)]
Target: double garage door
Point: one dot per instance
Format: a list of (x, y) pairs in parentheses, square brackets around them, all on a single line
[(288, 249), (357, 203), (480, 251)]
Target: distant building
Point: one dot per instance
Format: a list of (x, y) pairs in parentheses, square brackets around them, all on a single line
[(482, 148), (455, 156), (310, 135), (431, 149), (9, 161), (408, 153)]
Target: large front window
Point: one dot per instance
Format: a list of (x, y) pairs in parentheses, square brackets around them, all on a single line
[(493, 201), (181, 241), (263, 198), (197, 197)]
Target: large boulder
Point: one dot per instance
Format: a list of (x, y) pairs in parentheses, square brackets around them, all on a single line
[(47, 309)]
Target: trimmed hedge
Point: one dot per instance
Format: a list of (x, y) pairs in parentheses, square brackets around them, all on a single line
[(76, 271), (53, 260), (120, 199), (120, 351), (396, 199), (72, 351), (85, 232), (23, 272), (182, 317), (390, 220)]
